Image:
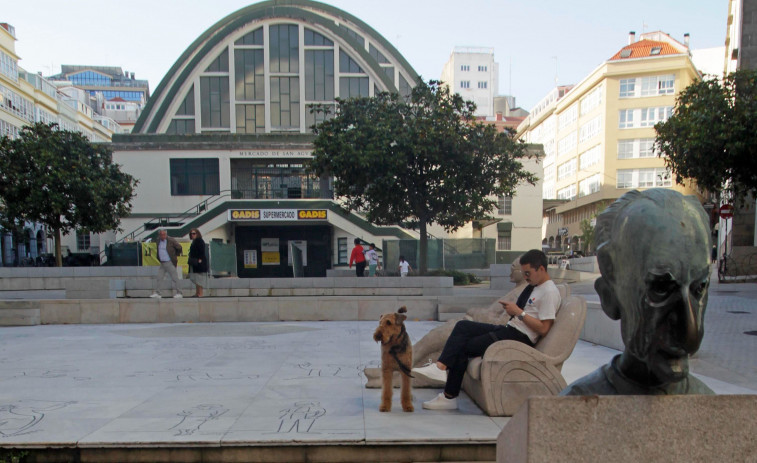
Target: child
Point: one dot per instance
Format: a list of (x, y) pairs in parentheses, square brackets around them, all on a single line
[(404, 266)]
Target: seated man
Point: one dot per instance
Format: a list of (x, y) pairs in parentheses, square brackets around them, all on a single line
[(653, 255), (433, 342), (470, 339)]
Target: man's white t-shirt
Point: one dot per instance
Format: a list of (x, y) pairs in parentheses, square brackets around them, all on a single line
[(372, 256), (404, 266), (542, 304)]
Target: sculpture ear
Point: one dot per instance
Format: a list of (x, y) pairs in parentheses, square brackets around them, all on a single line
[(603, 286), (610, 305)]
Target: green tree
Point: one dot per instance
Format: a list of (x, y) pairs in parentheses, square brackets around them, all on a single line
[(712, 135), (61, 180), (417, 161)]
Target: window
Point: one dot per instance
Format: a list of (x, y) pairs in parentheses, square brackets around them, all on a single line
[(250, 118), (82, 241), (214, 98), (647, 86), (353, 87), (590, 157), (505, 205), (588, 186), (504, 240), (483, 84), (627, 88), (549, 173), (626, 118), (636, 148), (566, 170), (283, 48), (285, 102), (567, 193), (319, 75), (465, 84), (248, 75), (591, 101), (567, 117), (464, 67), (644, 178), (482, 69), (590, 129), (566, 144), (341, 244), (194, 177)]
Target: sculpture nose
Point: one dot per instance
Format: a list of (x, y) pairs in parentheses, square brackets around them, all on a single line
[(691, 322)]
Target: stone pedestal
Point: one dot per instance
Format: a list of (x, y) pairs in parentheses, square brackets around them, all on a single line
[(685, 428)]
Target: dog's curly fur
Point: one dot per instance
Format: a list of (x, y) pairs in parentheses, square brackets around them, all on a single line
[(396, 355)]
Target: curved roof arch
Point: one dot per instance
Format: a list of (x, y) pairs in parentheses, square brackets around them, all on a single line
[(361, 43)]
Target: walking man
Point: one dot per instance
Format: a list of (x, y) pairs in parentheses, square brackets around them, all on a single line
[(169, 251)]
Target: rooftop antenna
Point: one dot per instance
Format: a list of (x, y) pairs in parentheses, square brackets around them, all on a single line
[(555, 58)]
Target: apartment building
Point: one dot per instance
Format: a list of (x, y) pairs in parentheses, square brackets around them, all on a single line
[(27, 98), (473, 73), (598, 135)]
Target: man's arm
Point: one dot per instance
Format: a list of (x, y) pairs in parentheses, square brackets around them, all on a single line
[(542, 327)]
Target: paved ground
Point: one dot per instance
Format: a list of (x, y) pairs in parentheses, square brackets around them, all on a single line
[(272, 383)]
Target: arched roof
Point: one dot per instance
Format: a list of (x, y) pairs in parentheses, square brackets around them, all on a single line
[(337, 25)]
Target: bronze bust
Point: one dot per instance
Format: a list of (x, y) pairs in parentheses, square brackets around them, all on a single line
[(653, 256)]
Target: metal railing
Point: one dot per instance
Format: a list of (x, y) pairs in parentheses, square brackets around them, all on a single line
[(165, 222)]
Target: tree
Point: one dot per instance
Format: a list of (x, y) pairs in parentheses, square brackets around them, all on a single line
[(61, 180), (417, 161), (712, 135)]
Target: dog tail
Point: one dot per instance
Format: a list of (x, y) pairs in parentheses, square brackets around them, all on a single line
[(402, 309)]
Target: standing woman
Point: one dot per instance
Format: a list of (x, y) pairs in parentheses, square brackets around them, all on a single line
[(198, 263)]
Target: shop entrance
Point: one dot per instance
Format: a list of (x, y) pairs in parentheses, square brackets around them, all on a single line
[(263, 251)]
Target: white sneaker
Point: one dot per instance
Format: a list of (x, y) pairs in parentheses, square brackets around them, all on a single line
[(155, 295), (177, 296), (432, 372), (441, 403)]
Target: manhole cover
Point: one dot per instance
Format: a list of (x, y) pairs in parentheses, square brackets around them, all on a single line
[(751, 333), (213, 331), (737, 311)]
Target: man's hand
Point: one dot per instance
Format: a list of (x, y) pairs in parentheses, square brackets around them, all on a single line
[(511, 308)]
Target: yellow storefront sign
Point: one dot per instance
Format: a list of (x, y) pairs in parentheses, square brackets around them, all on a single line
[(271, 258)]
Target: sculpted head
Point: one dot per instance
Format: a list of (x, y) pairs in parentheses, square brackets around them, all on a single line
[(516, 274), (653, 255)]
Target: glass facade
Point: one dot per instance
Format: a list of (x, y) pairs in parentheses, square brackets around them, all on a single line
[(253, 179), (239, 92)]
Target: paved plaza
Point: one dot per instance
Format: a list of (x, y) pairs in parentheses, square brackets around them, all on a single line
[(272, 384)]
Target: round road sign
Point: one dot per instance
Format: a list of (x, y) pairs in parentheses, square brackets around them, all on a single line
[(726, 211)]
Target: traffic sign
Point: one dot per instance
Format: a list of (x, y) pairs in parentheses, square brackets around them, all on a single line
[(726, 211)]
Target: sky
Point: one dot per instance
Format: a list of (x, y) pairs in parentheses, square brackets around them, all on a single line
[(537, 43)]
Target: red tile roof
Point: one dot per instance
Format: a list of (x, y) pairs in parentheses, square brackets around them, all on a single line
[(118, 98), (643, 48)]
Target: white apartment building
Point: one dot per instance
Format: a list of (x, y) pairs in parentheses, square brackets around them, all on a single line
[(473, 73)]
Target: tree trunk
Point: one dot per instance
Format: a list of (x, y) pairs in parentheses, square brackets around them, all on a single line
[(58, 256), (423, 249)]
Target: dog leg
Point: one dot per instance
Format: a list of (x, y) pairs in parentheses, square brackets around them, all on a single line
[(386, 390), (407, 393)]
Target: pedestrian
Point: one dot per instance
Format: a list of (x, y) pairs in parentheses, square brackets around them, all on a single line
[(198, 262), (169, 251), (404, 267), (373, 259), (358, 256)]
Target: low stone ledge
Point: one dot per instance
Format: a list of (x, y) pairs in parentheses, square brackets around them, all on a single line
[(631, 428), (601, 329)]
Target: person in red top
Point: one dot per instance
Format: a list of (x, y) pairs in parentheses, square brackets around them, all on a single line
[(358, 257)]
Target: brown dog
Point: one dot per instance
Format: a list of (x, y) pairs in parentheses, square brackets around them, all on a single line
[(396, 354)]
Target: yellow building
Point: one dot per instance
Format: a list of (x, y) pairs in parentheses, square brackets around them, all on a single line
[(598, 136)]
